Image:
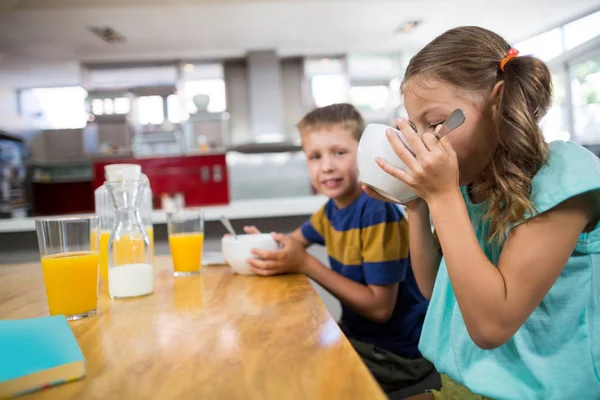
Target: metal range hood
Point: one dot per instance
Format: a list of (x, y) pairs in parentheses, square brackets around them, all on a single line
[(265, 96)]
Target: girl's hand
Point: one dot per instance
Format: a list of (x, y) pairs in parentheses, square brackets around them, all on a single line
[(432, 172)]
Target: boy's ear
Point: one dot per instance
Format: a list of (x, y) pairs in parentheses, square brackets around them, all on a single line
[(495, 98)]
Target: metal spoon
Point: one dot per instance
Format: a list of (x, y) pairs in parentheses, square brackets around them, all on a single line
[(227, 225), (456, 119)]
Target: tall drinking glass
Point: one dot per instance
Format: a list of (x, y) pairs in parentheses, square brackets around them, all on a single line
[(186, 239), (69, 255)]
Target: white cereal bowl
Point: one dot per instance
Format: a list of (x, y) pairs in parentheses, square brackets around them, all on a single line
[(237, 250), (374, 143)]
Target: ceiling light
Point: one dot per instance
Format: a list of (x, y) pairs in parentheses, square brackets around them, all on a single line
[(108, 34), (188, 67), (408, 26)]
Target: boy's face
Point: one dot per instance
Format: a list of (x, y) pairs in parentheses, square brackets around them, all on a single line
[(331, 154)]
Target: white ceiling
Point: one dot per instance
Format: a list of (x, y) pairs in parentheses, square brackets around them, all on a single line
[(56, 31)]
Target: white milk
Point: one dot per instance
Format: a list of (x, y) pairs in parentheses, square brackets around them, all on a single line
[(130, 280)]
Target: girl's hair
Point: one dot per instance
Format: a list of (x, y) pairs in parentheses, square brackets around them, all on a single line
[(469, 58)]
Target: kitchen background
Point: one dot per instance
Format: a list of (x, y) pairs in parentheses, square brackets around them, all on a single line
[(205, 95), (86, 82)]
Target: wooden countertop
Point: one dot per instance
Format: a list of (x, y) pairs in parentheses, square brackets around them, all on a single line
[(216, 336)]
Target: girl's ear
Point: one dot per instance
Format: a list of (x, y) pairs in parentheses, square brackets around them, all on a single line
[(495, 98)]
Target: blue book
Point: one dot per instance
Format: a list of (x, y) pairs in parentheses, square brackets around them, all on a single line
[(37, 353)]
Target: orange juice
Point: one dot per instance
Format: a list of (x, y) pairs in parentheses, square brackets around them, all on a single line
[(71, 281), (104, 237), (186, 250)]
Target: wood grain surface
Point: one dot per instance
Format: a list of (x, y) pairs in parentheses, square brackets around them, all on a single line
[(216, 335)]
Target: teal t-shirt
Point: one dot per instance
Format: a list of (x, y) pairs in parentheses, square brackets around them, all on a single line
[(556, 353)]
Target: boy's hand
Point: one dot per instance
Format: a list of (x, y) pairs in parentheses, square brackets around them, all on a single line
[(291, 258), (251, 230)]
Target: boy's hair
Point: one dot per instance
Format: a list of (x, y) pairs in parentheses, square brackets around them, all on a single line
[(343, 115), (469, 58)]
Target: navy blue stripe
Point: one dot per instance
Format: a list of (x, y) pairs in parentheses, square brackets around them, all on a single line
[(311, 235), (385, 273), (354, 272), (364, 212)]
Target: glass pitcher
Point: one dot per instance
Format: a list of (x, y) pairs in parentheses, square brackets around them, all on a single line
[(130, 272), (105, 210)]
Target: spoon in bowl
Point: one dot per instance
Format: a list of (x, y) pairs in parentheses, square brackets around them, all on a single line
[(227, 224)]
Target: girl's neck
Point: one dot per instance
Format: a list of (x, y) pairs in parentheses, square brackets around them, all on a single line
[(476, 195)]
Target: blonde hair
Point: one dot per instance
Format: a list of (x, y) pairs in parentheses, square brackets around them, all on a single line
[(341, 115), (469, 58)]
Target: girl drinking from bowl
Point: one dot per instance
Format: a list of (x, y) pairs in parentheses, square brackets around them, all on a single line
[(515, 280)]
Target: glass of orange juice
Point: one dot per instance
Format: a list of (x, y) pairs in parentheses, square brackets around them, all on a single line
[(186, 239), (69, 256)]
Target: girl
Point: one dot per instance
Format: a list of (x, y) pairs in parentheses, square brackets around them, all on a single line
[(515, 281)]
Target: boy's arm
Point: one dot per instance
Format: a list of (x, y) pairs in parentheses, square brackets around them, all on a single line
[(374, 302), (385, 259), (299, 237)]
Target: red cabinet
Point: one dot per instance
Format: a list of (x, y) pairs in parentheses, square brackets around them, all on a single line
[(201, 179)]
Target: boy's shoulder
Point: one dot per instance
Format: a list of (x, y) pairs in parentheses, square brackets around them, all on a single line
[(376, 211), (367, 211)]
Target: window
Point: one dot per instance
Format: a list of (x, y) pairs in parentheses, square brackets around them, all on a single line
[(174, 108), (150, 110), (108, 106), (545, 46), (328, 81), (575, 111), (204, 86), (585, 86), (213, 88), (373, 98), (121, 105), (582, 30), (555, 124), (55, 108), (329, 89)]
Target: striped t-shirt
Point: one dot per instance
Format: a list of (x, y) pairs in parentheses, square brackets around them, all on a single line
[(367, 242)]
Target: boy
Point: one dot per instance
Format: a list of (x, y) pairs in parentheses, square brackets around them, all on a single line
[(367, 244)]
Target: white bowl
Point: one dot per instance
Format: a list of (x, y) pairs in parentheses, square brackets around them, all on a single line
[(237, 250), (374, 143)]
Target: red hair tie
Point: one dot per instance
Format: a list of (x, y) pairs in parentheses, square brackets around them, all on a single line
[(512, 53)]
